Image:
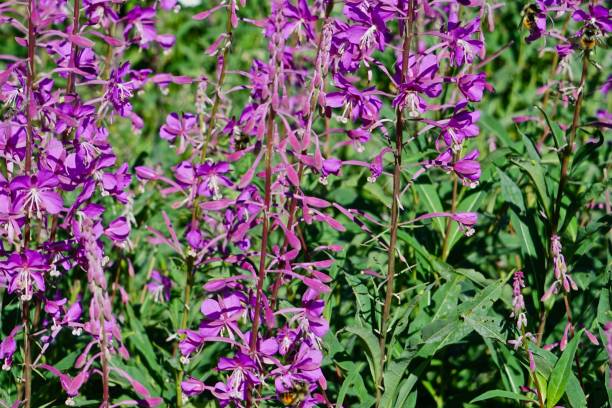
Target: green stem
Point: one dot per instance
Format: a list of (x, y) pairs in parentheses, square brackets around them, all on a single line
[(534, 374), (446, 242), (569, 149)]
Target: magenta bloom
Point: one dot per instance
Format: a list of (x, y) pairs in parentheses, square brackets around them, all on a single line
[(192, 387), (179, 127), (473, 86), (597, 15), (25, 273), (462, 47), (213, 177), (422, 81), (468, 168), (70, 385), (34, 194), (357, 104), (159, 286), (369, 29), (222, 314), (243, 371), (8, 346), (118, 230), (305, 368)]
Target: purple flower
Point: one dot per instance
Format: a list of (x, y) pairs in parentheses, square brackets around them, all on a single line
[(25, 273), (179, 127), (70, 385), (11, 219), (518, 303), (562, 277), (358, 138), (116, 183), (34, 194), (363, 105), (118, 230), (298, 18), (159, 286), (422, 80), (369, 28), (212, 178), (119, 92), (222, 314), (460, 126), (468, 168), (597, 15), (8, 346), (192, 387), (462, 47), (304, 368), (473, 86), (330, 166), (243, 371)]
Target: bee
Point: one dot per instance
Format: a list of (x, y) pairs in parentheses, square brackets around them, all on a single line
[(7, 111), (294, 397), (529, 15), (590, 37), (241, 141)]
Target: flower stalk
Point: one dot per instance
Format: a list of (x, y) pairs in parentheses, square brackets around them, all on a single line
[(30, 110), (261, 275), (394, 223)]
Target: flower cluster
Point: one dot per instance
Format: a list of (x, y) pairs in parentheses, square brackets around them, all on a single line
[(63, 192), (254, 221)]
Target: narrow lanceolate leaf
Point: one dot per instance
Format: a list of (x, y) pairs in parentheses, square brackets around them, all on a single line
[(510, 191), (373, 350), (429, 196), (483, 300), (561, 373), (536, 174), (348, 382), (392, 377), (486, 326), (501, 394), (575, 394)]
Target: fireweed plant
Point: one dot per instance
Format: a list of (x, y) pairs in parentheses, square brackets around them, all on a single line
[(346, 203), (65, 206)]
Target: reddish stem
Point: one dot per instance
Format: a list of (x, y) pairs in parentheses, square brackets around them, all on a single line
[(73, 50), (261, 276), (25, 316), (399, 131)]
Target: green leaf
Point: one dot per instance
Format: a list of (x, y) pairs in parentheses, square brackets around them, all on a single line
[(603, 307), (494, 126), (555, 130), (373, 348), (405, 397), (574, 393), (431, 200), (483, 300), (392, 377), (501, 394), (536, 174), (442, 333), (510, 191), (349, 381), (141, 342), (486, 326), (561, 372)]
